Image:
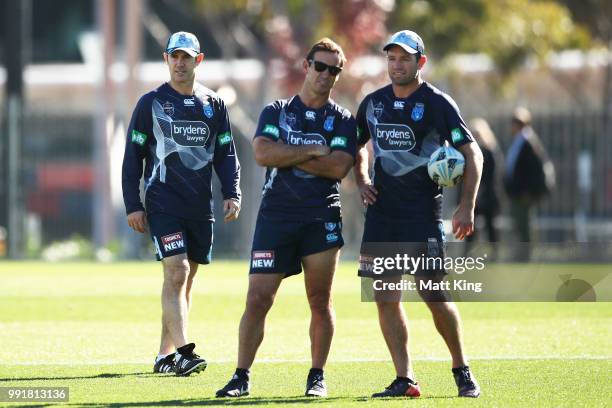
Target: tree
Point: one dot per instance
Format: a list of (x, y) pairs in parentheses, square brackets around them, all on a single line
[(508, 31)]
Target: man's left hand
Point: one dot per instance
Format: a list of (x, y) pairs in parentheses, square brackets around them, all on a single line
[(463, 222), (231, 209)]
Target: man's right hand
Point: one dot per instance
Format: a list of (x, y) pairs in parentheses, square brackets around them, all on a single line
[(367, 193), (137, 221)]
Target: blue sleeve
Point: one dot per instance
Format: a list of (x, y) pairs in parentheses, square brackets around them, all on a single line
[(450, 124), (139, 134), (268, 123), (345, 137), (363, 131), (225, 161)]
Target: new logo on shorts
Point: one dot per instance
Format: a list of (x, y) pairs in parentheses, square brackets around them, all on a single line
[(432, 247), (396, 138), (417, 112), (168, 108), (366, 263), (262, 259), (208, 111), (189, 133), (328, 125), (297, 138), (173, 241)]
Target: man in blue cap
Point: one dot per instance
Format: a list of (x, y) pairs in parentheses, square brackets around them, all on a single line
[(181, 131), (406, 121)]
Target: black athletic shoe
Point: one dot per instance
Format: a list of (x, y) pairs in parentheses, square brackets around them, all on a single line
[(400, 387), (315, 386), (236, 387), (164, 365), (466, 383), (187, 362)]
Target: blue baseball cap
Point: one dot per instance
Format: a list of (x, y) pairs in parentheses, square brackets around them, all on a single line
[(408, 40), (184, 41)]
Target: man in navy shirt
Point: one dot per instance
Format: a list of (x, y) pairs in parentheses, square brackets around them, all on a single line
[(308, 145), (406, 121), (181, 130)]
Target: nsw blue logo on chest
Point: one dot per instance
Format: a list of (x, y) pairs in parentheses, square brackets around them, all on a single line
[(417, 112), (328, 125), (208, 111)]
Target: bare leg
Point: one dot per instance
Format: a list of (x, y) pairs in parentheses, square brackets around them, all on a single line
[(394, 327), (319, 271), (448, 322), (174, 303), (260, 297), (446, 318)]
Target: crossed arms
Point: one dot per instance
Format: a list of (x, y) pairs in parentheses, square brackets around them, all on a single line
[(315, 159)]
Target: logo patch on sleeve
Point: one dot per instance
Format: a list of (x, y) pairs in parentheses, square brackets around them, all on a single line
[(271, 130), (262, 259), (138, 137), (224, 138), (338, 141), (456, 135), (173, 241)]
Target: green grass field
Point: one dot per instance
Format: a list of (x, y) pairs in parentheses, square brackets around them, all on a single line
[(95, 328)]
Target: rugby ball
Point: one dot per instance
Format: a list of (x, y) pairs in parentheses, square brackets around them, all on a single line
[(445, 166)]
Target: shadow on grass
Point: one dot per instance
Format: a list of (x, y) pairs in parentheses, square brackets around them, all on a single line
[(79, 377), (246, 401)]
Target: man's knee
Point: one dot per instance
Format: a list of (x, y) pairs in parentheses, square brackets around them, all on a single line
[(320, 302), (259, 301), (389, 308), (441, 307), (176, 273)]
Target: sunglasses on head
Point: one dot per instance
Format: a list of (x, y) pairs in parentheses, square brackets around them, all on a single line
[(321, 66)]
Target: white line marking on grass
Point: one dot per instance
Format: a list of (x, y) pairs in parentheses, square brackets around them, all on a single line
[(345, 360)]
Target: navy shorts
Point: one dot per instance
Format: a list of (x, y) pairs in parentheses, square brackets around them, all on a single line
[(387, 237), (173, 235), (278, 246)]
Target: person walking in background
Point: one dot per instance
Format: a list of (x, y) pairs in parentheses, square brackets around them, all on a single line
[(487, 199), (528, 178), (182, 132)]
